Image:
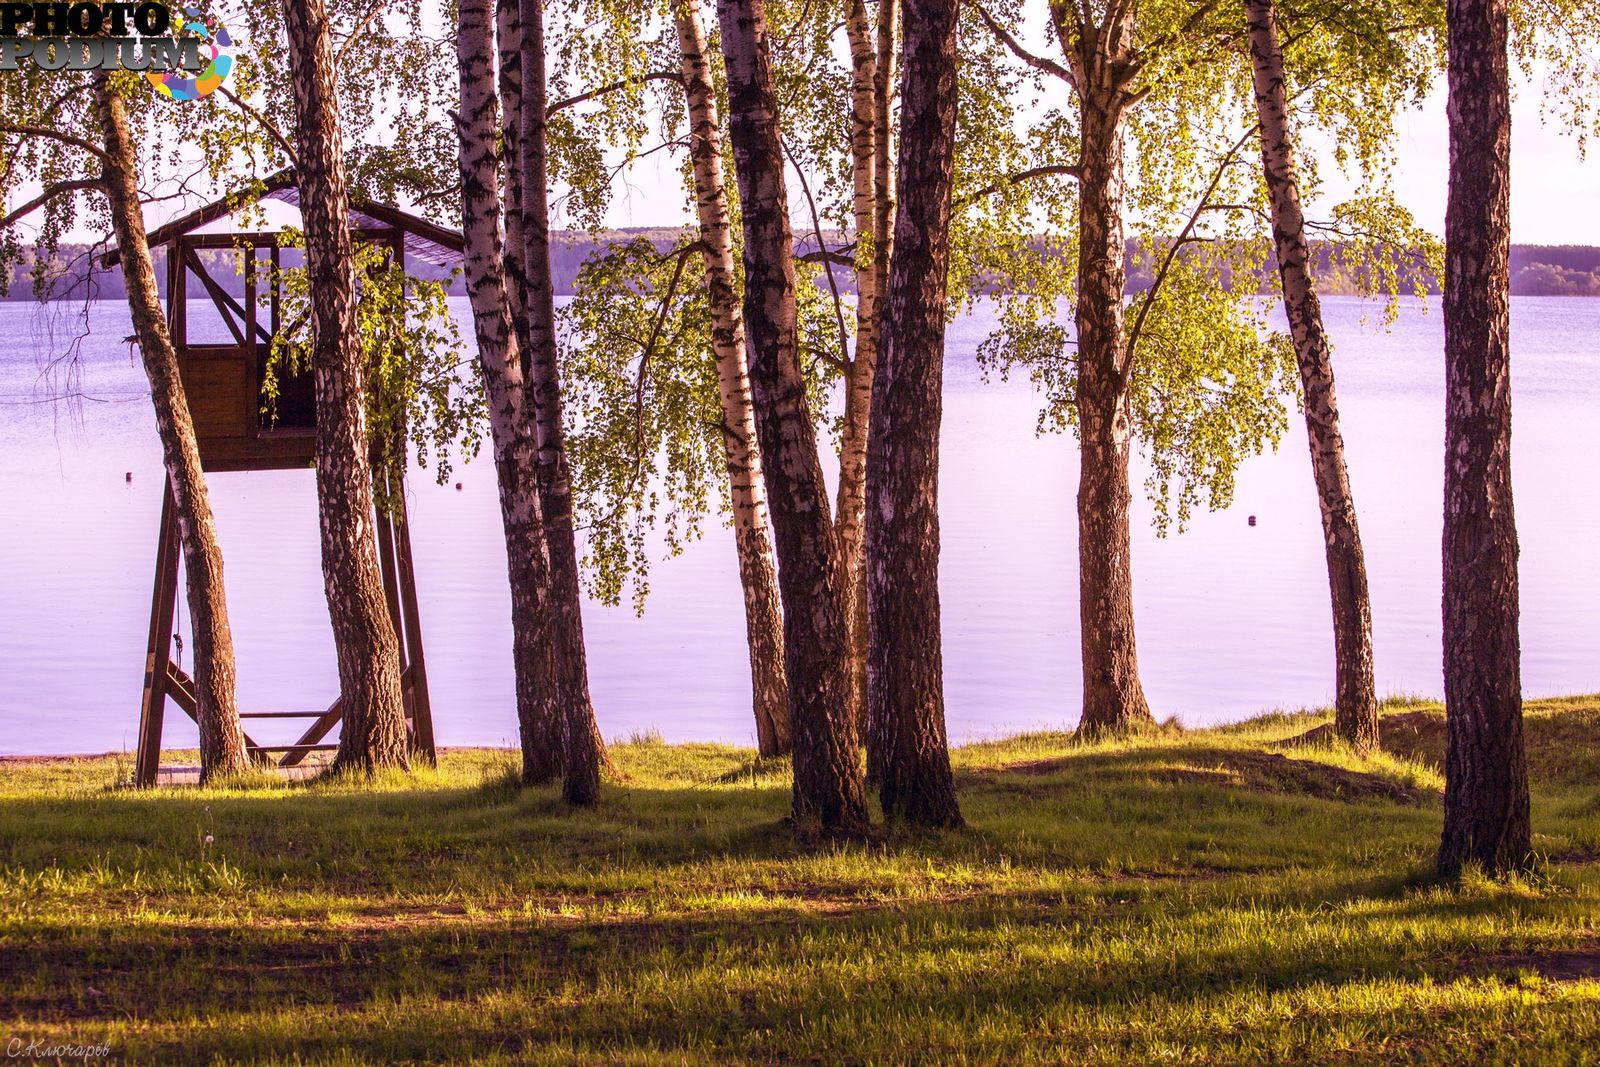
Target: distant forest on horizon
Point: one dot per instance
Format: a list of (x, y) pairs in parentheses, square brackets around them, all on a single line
[(1536, 270)]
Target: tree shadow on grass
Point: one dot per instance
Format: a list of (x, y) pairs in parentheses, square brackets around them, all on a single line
[(780, 983)]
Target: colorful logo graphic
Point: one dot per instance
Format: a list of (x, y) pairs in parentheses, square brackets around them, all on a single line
[(185, 85)]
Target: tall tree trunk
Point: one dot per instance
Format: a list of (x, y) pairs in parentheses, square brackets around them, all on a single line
[(872, 205), (373, 732), (1486, 774), (905, 692), (763, 614), (222, 750), (849, 510), (511, 423), (1113, 698), (1357, 702), (583, 750), (509, 45), (827, 772)]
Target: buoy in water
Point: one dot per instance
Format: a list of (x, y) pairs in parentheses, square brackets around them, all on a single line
[(458, 487), (128, 477), (1252, 520)]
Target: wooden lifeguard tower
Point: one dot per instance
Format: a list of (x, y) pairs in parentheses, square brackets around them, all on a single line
[(223, 380)]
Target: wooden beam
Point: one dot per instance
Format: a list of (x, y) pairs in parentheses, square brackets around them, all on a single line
[(315, 732), (421, 702), (163, 600), (181, 688), (219, 296), (211, 212)]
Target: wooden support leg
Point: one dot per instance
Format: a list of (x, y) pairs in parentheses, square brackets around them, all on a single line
[(421, 706), (163, 601), (384, 524)]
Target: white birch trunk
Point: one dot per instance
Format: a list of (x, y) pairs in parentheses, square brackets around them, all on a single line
[(763, 612)]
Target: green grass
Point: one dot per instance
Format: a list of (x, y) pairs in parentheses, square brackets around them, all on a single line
[(1230, 895)]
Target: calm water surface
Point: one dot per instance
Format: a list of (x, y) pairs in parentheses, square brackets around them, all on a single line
[(1233, 619)]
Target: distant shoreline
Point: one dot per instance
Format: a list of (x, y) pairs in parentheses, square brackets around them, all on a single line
[(1536, 270)]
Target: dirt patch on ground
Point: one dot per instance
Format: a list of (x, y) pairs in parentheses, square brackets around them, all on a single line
[(1413, 735), (1557, 965)]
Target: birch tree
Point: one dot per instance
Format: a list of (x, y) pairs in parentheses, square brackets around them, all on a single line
[(583, 751), (222, 746), (1486, 807), (373, 729), (827, 774), (667, 431), (49, 129), (905, 676), (757, 572), (872, 43), (635, 323), (1356, 701), (1188, 371), (513, 430)]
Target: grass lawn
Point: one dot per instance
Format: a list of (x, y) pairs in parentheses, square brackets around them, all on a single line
[(1249, 894)]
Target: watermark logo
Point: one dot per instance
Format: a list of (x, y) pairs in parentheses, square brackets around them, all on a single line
[(216, 49), (21, 1048), (184, 59)]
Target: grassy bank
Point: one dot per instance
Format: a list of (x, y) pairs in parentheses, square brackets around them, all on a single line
[(1247, 894)]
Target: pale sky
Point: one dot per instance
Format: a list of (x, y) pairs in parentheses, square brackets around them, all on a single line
[(1555, 193)]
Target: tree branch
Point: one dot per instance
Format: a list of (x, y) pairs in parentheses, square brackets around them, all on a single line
[(827, 264), (1184, 237), (366, 20), (592, 94), (51, 191), (56, 135), (682, 256), (1058, 170), (1037, 62), (264, 122), (844, 255)]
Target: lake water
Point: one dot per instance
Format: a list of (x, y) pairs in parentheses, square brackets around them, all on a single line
[(1233, 619)]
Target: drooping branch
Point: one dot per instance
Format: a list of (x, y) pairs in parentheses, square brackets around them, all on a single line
[(681, 256), (264, 122), (1185, 236), (55, 135), (51, 191), (827, 262), (1037, 62), (1183, 32)]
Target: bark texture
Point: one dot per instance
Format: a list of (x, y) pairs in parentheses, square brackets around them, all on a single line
[(508, 47), (1113, 697), (373, 732), (1486, 775), (827, 774), (872, 206), (1357, 701), (763, 612), (511, 423), (905, 674), (583, 751), (222, 749)]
